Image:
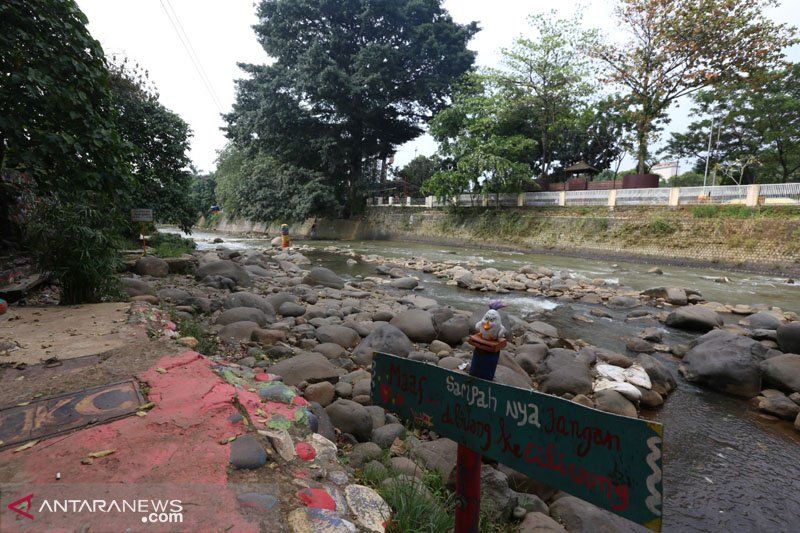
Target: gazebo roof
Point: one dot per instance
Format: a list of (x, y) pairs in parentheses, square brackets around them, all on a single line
[(582, 167)]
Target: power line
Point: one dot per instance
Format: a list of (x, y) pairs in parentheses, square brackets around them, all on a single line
[(192, 55)]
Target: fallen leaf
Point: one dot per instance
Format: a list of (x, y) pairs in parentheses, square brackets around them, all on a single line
[(27, 445), (87, 461), (398, 447), (161, 370), (227, 440), (23, 403), (141, 413), (147, 406), (260, 412), (102, 453)]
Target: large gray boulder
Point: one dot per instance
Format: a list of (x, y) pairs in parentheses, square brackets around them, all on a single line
[(404, 283), (453, 330), (151, 265), (562, 373), (237, 331), (323, 276), (579, 516), (672, 295), (310, 367), (137, 287), (694, 318), (385, 338), (241, 314), (279, 298), (341, 335), (248, 299), (783, 371), (726, 362), (175, 296), (660, 375), (351, 417), (439, 455), (416, 324), (762, 320), (789, 337), (226, 269)]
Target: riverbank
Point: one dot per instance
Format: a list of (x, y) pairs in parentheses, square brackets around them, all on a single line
[(260, 313), (761, 240)]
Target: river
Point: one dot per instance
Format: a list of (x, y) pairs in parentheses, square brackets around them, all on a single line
[(725, 467)]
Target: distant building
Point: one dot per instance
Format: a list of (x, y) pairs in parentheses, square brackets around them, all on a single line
[(665, 169)]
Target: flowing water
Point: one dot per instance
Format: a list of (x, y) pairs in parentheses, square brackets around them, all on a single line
[(725, 468)]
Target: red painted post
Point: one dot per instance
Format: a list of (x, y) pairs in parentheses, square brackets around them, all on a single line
[(285, 236), (487, 343)]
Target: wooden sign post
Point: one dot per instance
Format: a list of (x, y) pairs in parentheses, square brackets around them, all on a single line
[(609, 460), (142, 216)]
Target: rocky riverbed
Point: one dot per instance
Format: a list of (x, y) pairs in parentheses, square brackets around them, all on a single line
[(293, 332)]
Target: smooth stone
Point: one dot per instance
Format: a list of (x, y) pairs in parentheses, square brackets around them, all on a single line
[(351, 417), (540, 523), (259, 502), (310, 520), (370, 510), (243, 314), (363, 453), (613, 402), (386, 338), (291, 309), (247, 453), (385, 435), (310, 367), (322, 393)]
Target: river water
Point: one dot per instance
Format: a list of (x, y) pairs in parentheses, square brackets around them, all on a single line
[(725, 468)]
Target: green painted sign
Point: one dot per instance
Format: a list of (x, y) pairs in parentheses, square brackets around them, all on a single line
[(609, 460)]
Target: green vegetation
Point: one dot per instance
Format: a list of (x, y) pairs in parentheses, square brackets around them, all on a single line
[(341, 96), (726, 211), (660, 227), (207, 344), (170, 244)]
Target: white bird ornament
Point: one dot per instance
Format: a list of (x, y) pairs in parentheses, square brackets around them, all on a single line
[(491, 328)]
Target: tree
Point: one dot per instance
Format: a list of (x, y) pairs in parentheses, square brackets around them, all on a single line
[(416, 172), (352, 79), (549, 76), (202, 194), (755, 133), (477, 134), (678, 47), (57, 125), (158, 141)]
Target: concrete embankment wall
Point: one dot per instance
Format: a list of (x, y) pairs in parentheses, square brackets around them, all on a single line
[(767, 240)]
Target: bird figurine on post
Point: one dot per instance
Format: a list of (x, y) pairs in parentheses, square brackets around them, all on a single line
[(490, 327)]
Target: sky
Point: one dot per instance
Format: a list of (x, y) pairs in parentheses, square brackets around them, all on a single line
[(163, 36)]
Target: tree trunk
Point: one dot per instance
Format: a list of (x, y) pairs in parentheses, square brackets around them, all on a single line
[(641, 150)]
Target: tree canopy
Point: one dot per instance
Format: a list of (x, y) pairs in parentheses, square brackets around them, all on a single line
[(677, 47), (351, 80)]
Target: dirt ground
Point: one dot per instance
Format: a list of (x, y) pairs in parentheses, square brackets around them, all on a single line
[(51, 350)]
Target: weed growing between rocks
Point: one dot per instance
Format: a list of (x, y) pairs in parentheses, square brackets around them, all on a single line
[(171, 245)]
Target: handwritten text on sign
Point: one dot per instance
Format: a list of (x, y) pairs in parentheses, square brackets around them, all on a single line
[(612, 461)]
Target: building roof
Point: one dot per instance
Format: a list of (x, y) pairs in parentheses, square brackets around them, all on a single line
[(582, 167)]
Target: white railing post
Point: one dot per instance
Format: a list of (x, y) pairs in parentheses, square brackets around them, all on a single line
[(521, 199), (408, 200), (674, 196), (429, 202), (752, 195), (562, 198), (612, 198)]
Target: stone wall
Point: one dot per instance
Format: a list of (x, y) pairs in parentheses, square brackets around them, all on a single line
[(769, 241)]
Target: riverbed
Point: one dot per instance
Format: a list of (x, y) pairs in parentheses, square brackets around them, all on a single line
[(726, 468)]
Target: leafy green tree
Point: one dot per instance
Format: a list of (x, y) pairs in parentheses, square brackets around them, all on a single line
[(352, 79), (476, 133), (415, 173), (755, 133), (551, 78), (157, 141), (678, 47), (57, 124), (202, 193)]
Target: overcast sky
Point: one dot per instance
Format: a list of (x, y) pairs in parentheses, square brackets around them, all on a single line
[(220, 34)]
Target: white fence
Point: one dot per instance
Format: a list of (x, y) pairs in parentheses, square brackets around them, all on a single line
[(748, 195)]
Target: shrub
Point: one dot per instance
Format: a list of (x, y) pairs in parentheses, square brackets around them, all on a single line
[(659, 226), (705, 211), (170, 244), (77, 243)]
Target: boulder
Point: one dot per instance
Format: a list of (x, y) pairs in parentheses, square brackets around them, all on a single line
[(351, 417), (579, 516), (694, 318), (291, 309), (726, 362), (561, 373), (341, 335), (218, 282), (323, 276), (385, 435), (439, 455), (241, 314), (247, 453), (310, 367), (672, 295), (279, 298), (184, 264), (453, 331), (416, 324), (321, 392), (789, 337), (175, 296), (330, 350), (622, 302), (779, 406), (540, 523), (226, 269), (237, 331), (661, 378), (137, 287), (507, 376), (783, 371), (257, 271), (268, 337), (613, 402), (151, 265), (404, 283), (762, 320)]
